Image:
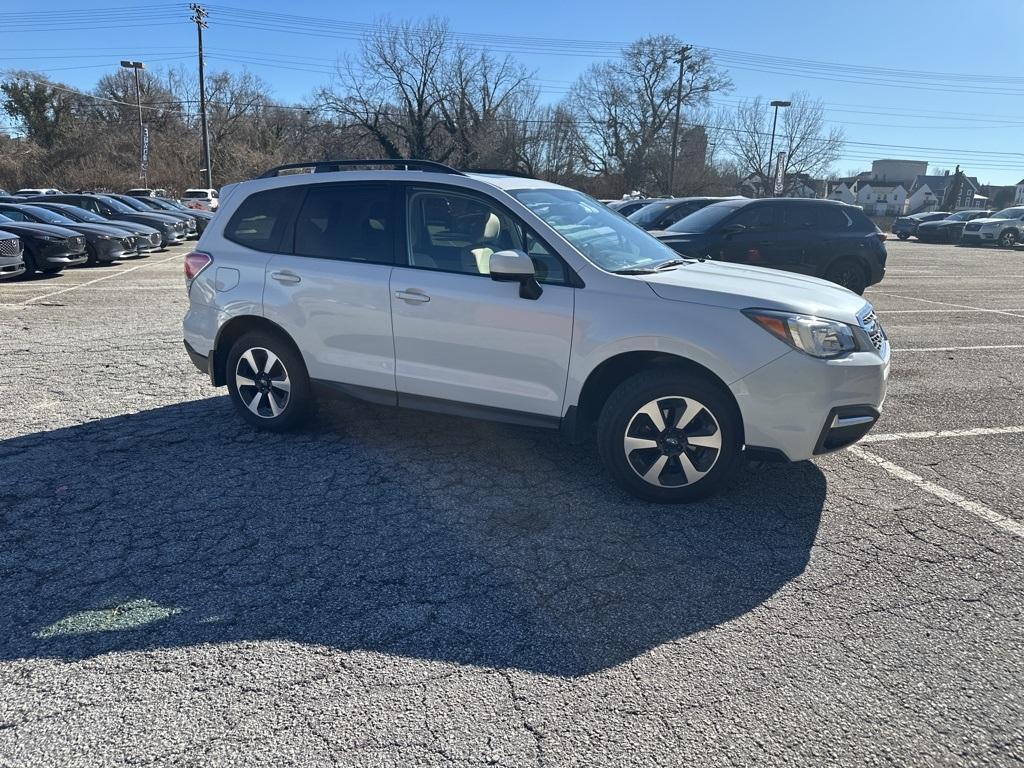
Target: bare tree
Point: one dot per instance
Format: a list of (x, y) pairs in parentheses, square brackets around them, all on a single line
[(625, 107), (393, 88), (810, 146)]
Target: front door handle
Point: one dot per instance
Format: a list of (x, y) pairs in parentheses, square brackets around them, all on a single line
[(412, 296), (286, 277)]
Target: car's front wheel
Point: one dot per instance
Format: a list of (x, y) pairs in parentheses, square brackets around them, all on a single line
[(268, 382), (667, 435), (1008, 239)]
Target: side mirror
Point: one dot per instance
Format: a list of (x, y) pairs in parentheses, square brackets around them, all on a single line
[(516, 267)]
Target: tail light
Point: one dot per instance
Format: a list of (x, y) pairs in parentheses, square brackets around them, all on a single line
[(195, 263)]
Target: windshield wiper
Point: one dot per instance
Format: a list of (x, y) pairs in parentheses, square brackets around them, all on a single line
[(673, 263), (634, 271)]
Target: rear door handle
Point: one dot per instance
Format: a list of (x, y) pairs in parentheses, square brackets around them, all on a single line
[(286, 277), (412, 296)]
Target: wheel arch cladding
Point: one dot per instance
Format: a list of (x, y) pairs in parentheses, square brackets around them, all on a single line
[(233, 330), (610, 373)]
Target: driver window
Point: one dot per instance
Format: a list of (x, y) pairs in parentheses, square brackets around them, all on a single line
[(760, 217), (457, 233)]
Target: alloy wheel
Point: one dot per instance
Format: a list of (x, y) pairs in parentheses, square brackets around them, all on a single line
[(1008, 239), (672, 441), (262, 382)]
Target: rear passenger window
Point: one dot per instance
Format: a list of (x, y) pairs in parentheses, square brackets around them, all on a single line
[(833, 218), (350, 222), (262, 218), (756, 217)]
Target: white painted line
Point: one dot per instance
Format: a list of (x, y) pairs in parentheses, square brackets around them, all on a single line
[(951, 497), (944, 303), (998, 311), (97, 280), (976, 432), (901, 350)]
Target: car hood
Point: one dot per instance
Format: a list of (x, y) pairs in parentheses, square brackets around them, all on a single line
[(31, 228), (96, 229), (134, 227), (152, 219), (736, 286), (992, 221), (942, 223)]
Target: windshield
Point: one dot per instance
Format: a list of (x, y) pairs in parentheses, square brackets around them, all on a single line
[(131, 202), (174, 204), (47, 215), (117, 205), (1009, 213), (604, 237), (649, 213), (81, 214), (706, 218)]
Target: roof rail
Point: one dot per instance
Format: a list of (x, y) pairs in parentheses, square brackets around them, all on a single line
[(329, 166), (499, 172)]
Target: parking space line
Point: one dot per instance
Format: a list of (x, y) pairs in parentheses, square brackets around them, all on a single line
[(958, 349), (951, 497), (946, 311), (942, 433), (97, 280), (944, 303)]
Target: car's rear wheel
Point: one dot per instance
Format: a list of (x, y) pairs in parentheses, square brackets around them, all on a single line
[(902, 235), (268, 382), (849, 274), (1009, 238), (669, 436)]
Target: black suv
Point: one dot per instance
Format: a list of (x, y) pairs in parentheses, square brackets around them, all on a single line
[(823, 238), (662, 214)]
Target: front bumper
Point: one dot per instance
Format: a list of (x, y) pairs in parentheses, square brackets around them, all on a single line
[(790, 405), (11, 266), (58, 256)]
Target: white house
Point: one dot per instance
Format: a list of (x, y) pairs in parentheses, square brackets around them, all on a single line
[(842, 193), (922, 199), (881, 199), (1018, 199)]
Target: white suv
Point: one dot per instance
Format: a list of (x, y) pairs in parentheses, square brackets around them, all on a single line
[(523, 301), (201, 199)]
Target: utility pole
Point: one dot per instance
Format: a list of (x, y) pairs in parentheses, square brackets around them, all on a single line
[(199, 19), (135, 66), (771, 150), (681, 61)]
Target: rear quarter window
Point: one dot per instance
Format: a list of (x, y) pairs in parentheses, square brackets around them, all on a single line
[(261, 220)]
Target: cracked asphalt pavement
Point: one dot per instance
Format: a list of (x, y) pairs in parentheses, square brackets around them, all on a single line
[(399, 588)]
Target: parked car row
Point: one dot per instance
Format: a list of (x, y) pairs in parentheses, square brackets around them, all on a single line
[(1004, 228), (55, 231)]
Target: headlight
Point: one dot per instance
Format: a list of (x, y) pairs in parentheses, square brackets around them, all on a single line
[(814, 335), (104, 237)]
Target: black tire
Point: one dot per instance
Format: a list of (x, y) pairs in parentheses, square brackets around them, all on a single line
[(91, 258), (675, 391), (295, 407), (30, 264), (850, 274), (902, 235), (1009, 238), (52, 270)]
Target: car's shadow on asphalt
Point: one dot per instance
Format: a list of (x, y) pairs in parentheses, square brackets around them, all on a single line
[(391, 531)]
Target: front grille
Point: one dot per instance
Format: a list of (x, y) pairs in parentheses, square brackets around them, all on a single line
[(128, 243), (76, 243), (180, 226), (869, 323), (10, 246), (154, 239), (972, 227)]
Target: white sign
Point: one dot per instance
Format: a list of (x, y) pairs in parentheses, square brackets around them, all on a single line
[(780, 174)]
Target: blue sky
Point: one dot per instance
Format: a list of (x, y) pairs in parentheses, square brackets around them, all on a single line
[(972, 115)]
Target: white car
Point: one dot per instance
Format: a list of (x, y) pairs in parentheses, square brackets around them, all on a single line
[(39, 191), (1005, 228), (523, 301), (201, 199)]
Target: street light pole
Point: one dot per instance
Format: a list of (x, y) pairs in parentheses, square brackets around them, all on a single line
[(681, 61), (135, 66), (771, 150)]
